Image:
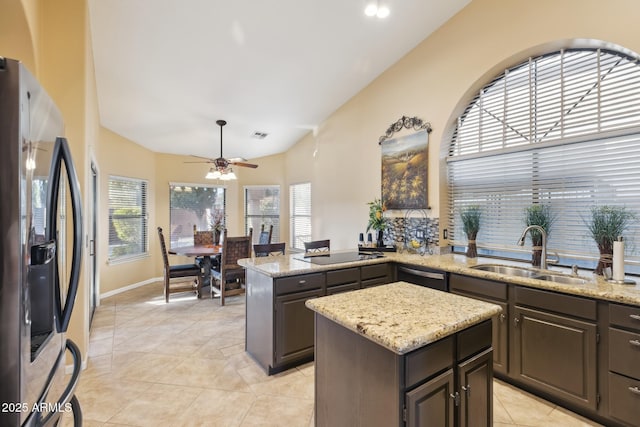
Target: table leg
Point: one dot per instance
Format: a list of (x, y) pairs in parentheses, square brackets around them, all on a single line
[(206, 276)]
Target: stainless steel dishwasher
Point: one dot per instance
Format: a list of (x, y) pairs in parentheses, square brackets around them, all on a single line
[(424, 277)]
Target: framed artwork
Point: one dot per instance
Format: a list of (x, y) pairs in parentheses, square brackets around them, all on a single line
[(404, 171)]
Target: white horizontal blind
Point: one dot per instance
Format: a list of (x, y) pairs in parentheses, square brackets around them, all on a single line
[(562, 129), (193, 205), (300, 214), (262, 207), (128, 217)]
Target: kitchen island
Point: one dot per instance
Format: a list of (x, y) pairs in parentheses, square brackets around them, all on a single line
[(402, 353)]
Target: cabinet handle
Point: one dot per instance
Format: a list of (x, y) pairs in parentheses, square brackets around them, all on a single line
[(467, 390), (635, 343), (301, 282), (456, 398), (502, 317), (516, 322), (635, 390), (635, 316)]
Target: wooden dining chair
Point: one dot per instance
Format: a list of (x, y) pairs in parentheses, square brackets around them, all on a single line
[(192, 272), (263, 250), (317, 246), (265, 235), (202, 237), (231, 276)]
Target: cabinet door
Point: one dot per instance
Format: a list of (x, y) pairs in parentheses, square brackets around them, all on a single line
[(555, 354), (294, 327), (433, 403), (500, 333), (475, 379)]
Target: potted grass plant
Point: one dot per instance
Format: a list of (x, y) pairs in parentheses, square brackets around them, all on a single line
[(216, 224), (541, 215), (471, 217), (605, 225)]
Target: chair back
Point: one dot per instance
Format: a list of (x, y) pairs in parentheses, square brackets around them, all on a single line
[(202, 238), (163, 248), (317, 246), (269, 249), (235, 248), (265, 236)]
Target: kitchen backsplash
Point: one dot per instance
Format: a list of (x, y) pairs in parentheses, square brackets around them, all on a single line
[(407, 229)]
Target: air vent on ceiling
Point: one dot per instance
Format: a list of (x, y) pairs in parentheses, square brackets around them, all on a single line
[(259, 135)]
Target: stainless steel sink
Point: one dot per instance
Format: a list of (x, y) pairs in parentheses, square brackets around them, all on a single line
[(561, 278), (508, 270)]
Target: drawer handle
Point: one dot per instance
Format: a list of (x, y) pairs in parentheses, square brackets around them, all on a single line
[(635, 390), (301, 282), (635, 316), (635, 343)]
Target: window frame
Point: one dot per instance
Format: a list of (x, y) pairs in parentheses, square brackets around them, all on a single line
[(277, 223), (293, 235), (144, 216)]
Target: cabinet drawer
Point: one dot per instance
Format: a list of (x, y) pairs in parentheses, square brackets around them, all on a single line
[(625, 316), (425, 362), (476, 286), (624, 399), (305, 282), (624, 352), (332, 290), (558, 303), (374, 271), (342, 277), (474, 339)]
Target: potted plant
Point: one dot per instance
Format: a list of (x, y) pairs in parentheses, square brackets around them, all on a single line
[(541, 215), (216, 224), (471, 216), (377, 221), (605, 225)]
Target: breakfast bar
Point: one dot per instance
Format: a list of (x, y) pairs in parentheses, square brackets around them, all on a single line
[(401, 353)]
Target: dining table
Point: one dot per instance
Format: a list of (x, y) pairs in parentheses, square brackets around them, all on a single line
[(207, 252)]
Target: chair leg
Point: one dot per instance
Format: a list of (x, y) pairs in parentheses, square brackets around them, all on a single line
[(166, 289), (223, 285)]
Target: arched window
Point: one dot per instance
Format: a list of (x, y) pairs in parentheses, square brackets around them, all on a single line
[(561, 129)]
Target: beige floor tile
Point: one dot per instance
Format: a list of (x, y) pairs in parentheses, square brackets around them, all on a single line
[(184, 364)]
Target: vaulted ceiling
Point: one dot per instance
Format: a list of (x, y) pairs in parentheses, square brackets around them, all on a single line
[(166, 70)]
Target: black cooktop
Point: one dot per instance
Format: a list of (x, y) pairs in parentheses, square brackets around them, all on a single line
[(339, 257)]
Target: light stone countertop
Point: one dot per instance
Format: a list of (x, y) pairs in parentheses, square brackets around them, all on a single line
[(403, 317), (596, 287)]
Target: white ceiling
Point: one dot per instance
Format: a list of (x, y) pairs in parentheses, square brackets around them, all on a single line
[(166, 70)]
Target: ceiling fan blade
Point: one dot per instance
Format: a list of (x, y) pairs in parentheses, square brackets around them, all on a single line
[(237, 160), (244, 165), (201, 161)]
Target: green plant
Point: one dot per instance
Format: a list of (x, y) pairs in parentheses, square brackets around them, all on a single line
[(471, 217), (377, 221), (543, 216), (605, 225)]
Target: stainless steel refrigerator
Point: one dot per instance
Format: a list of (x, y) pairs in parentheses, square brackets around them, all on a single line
[(40, 255)]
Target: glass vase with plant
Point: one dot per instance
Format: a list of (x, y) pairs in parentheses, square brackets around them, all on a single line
[(216, 224), (605, 225), (471, 217), (541, 215), (377, 221)]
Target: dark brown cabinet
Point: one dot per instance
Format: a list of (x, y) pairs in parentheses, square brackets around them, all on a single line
[(475, 379), (433, 402), (279, 327), (624, 364), (495, 293)]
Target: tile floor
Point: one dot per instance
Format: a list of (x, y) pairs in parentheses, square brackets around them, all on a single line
[(183, 364)]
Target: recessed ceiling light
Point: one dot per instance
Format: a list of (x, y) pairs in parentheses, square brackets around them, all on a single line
[(383, 12), (371, 9), (374, 8)]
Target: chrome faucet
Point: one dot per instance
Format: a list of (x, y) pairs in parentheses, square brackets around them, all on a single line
[(543, 233)]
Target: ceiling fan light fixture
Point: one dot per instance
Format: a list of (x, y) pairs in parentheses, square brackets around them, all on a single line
[(213, 174), (231, 175)]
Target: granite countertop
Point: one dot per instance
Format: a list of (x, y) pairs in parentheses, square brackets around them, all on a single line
[(403, 317), (596, 287)]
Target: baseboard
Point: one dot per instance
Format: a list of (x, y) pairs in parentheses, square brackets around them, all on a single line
[(130, 287)]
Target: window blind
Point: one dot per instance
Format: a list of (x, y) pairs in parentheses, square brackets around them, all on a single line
[(128, 217), (300, 214), (262, 207), (562, 129)]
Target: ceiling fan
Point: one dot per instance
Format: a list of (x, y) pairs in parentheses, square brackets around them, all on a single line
[(222, 164)]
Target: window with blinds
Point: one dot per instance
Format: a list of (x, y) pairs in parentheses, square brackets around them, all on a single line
[(562, 129), (128, 217), (300, 214), (194, 205), (262, 208)]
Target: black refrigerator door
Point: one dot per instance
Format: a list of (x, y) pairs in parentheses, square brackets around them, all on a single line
[(62, 158)]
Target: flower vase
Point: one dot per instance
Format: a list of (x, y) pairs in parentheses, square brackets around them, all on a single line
[(216, 237), (472, 249), (380, 241), (606, 259)]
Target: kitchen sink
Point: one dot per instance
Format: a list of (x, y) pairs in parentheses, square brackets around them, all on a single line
[(508, 270), (561, 278), (531, 273)]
